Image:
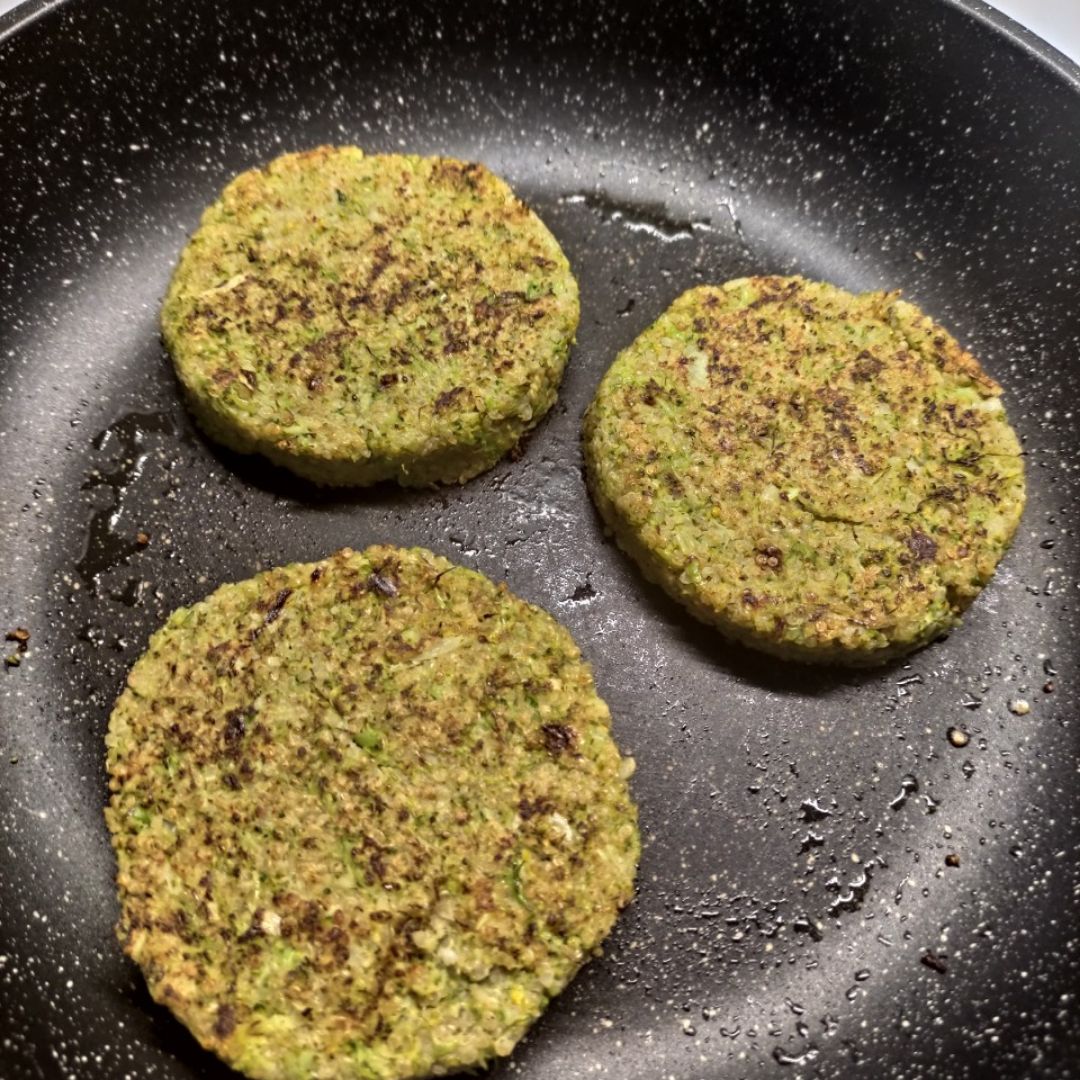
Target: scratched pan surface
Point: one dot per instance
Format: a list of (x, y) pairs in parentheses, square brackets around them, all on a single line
[(797, 822)]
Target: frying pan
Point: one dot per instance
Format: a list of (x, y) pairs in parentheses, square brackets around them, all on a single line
[(796, 914)]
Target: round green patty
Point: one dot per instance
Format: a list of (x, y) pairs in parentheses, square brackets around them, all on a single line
[(362, 318), (369, 817), (824, 476)]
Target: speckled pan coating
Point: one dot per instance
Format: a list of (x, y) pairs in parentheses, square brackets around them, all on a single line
[(824, 476), (913, 145), (362, 318), (369, 817)]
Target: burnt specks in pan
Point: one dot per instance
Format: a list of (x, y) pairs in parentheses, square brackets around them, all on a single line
[(935, 961), (21, 637), (583, 592)]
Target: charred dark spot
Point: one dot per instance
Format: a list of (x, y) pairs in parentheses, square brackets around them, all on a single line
[(235, 729), (835, 405), (273, 612), (558, 737), (448, 397), (651, 392), (765, 298), (316, 574), (310, 918), (528, 808), (769, 557), (383, 259), (338, 939), (464, 173), (223, 376), (398, 297), (750, 600), (225, 1024), (921, 546), (231, 782), (456, 339), (382, 584), (377, 864), (328, 345), (866, 367), (315, 382), (389, 379), (724, 374)]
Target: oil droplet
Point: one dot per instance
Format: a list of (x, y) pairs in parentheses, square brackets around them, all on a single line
[(908, 786), (782, 1058)]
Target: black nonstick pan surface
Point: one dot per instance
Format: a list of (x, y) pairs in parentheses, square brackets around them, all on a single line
[(798, 913)]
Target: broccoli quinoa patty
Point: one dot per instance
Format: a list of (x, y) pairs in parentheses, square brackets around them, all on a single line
[(368, 815), (361, 318), (824, 476)]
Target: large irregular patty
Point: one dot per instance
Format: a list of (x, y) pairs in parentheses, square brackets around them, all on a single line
[(369, 817), (824, 476), (361, 318)]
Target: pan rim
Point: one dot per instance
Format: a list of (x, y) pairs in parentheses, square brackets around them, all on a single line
[(1062, 67)]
